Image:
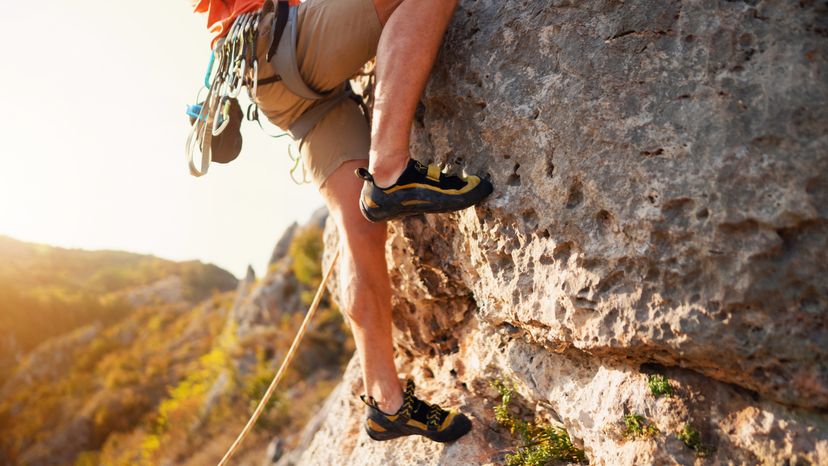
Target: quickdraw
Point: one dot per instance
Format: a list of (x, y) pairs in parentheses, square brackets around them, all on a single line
[(233, 65)]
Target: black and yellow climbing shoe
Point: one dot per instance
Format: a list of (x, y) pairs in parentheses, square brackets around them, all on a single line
[(415, 417), (420, 189)]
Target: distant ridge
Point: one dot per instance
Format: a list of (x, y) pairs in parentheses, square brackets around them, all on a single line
[(47, 290)]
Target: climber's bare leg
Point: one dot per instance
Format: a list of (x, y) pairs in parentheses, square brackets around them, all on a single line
[(411, 37), (365, 290)]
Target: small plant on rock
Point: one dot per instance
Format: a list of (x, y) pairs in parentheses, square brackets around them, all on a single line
[(540, 443), (637, 426), (659, 385), (692, 439)]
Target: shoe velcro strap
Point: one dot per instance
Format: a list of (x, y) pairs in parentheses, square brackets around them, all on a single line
[(433, 173)]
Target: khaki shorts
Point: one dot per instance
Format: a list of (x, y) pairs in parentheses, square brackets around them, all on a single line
[(335, 38)]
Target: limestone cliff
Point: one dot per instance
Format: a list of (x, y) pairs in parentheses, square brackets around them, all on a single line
[(661, 183)]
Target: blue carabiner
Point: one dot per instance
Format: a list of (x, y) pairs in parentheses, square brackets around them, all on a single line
[(194, 111), (209, 70)]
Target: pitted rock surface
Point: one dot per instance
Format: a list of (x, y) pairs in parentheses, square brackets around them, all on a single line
[(660, 204), (661, 173)]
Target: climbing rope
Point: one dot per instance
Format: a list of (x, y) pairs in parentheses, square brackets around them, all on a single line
[(283, 368)]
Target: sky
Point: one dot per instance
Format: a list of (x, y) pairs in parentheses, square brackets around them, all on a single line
[(92, 139)]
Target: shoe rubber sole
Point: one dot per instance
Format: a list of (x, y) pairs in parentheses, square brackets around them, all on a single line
[(404, 213), (440, 437), (374, 216)]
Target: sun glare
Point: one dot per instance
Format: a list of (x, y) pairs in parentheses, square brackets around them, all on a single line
[(92, 154)]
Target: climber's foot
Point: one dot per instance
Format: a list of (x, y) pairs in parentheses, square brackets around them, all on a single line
[(415, 417), (420, 189)]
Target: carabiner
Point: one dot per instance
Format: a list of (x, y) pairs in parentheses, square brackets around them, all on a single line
[(209, 69), (297, 163), (231, 35), (238, 81), (252, 91), (222, 118)]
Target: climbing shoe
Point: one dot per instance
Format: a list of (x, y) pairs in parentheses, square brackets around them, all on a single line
[(420, 189), (415, 417)]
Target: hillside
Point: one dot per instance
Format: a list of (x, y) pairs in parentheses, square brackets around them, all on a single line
[(174, 377), (47, 291)]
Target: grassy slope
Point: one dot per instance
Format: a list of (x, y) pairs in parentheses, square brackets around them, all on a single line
[(47, 291), (163, 382)]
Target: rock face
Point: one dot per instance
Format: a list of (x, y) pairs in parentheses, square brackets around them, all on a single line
[(168, 290), (258, 305), (661, 204), (662, 175)]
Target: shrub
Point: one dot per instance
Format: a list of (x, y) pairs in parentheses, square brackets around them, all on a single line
[(306, 251), (692, 439), (637, 426), (659, 385), (539, 443), (87, 458)]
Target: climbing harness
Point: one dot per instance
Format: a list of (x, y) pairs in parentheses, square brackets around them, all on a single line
[(285, 364), (234, 60)]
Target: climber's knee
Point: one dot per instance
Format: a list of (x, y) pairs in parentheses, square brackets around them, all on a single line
[(363, 273), (362, 237), (364, 289), (341, 191)]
